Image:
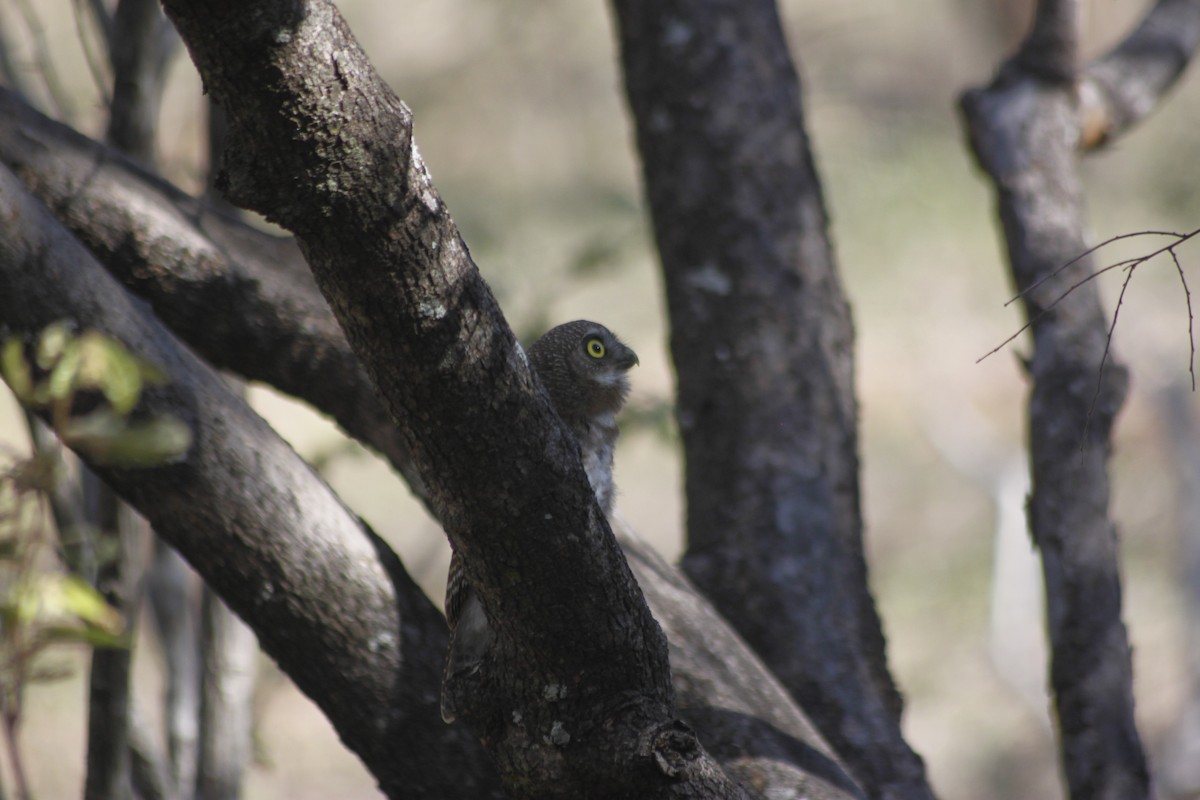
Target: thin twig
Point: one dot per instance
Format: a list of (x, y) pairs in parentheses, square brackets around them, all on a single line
[(1129, 263), (95, 65), (1187, 293), (15, 757), (45, 64), (104, 23), (1180, 236), (1087, 421)]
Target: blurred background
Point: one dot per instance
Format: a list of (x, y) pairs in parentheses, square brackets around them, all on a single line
[(520, 118)]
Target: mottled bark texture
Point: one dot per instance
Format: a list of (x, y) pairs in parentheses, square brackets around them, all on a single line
[(762, 341), (577, 691), (1025, 130), (262, 528), (722, 690)]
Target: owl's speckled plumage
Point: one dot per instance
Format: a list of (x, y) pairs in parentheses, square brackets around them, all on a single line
[(584, 368)]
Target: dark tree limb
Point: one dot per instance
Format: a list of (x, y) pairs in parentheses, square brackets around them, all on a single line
[(1025, 129), (749, 722), (1117, 90), (325, 148), (321, 590), (141, 44), (762, 341), (109, 764), (187, 260), (125, 205)]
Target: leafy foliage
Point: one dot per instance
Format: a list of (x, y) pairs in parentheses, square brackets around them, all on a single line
[(89, 386)]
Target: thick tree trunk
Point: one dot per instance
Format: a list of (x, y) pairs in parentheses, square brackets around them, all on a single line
[(503, 475), (763, 344)]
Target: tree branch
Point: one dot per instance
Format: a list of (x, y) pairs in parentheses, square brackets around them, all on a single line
[(186, 260), (1123, 86), (1051, 50), (139, 53), (721, 688), (319, 144), (762, 341), (262, 529), (1024, 129)]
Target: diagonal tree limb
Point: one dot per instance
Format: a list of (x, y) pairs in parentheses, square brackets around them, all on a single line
[(262, 529), (762, 340), (1117, 90), (1025, 129), (721, 689), (159, 241), (319, 144)]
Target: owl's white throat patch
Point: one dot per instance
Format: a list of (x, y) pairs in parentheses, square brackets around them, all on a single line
[(609, 378)]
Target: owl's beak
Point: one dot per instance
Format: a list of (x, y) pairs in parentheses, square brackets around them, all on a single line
[(628, 360)]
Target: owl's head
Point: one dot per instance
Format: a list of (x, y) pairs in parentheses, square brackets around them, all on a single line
[(584, 367)]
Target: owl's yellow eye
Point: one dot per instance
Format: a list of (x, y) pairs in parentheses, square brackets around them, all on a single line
[(595, 348)]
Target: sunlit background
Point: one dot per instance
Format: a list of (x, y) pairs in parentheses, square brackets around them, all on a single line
[(521, 120)]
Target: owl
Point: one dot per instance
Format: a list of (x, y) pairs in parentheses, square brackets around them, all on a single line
[(584, 368)]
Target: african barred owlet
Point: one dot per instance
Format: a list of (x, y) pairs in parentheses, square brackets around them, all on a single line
[(583, 367)]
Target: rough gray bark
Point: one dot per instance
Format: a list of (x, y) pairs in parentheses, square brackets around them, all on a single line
[(748, 720), (277, 550), (1025, 129), (321, 145), (606, 640), (118, 203), (762, 341)]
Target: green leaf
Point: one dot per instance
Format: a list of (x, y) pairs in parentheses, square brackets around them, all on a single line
[(51, 343), (84, 603), (89, 635), (64, 378), (111, 440), (54, 600), (15, 369), (106, 365), (94, 432)]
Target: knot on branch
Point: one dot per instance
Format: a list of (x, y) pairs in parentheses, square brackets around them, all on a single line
[(673, 747)]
